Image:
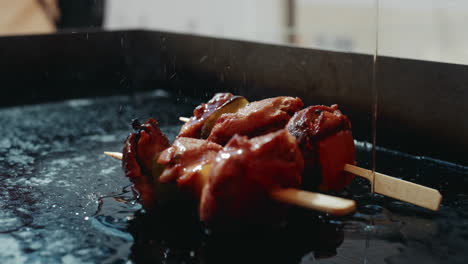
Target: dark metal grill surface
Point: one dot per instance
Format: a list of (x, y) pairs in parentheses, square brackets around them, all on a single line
[(64, 202)]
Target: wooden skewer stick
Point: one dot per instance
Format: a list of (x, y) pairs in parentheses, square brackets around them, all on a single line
[(399, 189), (115, 155), (392, 187), (316, 201), (184, 119)]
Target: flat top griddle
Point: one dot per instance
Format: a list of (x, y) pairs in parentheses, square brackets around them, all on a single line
[(63, 201)]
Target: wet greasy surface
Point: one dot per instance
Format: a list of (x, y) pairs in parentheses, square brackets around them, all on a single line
[(62, 201)]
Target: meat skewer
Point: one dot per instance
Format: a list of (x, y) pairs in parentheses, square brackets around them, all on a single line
[(315, 201), (235, 158), (393, 187), (310, 125), (236, 181)]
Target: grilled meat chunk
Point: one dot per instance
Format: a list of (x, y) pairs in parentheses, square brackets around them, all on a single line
[(325, 138), (244, 174), (187, 161), (255, 119), (140, 152)]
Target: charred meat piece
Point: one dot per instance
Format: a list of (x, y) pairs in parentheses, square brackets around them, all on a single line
[(325, 138), (188, 161), (255, 119), (244, 174), (205, 115), (140, 152)]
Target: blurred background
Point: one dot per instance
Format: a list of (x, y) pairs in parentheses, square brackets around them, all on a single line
[(421, 29)]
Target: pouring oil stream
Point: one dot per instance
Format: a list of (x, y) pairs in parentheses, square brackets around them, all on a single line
[(374, 119), (375, 95)]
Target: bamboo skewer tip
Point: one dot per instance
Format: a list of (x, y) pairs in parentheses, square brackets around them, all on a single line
[(115, 155), (184, 119)]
